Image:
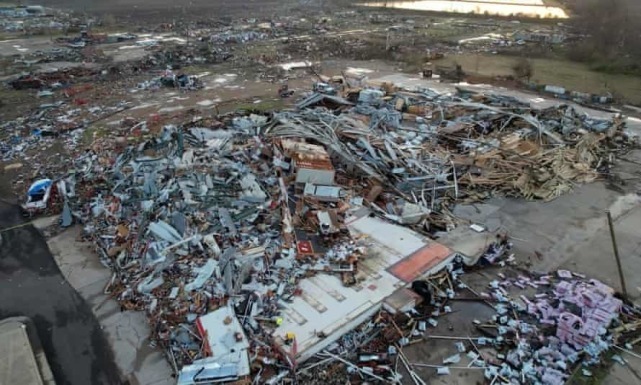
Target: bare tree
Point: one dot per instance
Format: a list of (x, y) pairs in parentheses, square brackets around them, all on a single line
[(459, 74), (108, 20), (612, 26), (523, 69)]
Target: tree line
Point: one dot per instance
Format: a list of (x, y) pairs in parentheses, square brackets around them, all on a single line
[(612, 30)]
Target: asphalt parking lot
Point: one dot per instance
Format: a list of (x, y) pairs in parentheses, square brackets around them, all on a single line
[(31, 285)]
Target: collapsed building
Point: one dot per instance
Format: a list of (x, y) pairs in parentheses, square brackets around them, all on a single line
[(257, 242)]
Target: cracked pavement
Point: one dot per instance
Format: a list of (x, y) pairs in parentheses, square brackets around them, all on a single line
[(126, 331)]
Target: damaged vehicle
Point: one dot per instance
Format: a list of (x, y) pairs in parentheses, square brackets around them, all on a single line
[(46, 196), (39, 196)]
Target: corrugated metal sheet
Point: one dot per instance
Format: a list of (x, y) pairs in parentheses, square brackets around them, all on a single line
[(207, 371)]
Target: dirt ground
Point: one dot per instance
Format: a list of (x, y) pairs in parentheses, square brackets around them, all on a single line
[(167, 11)]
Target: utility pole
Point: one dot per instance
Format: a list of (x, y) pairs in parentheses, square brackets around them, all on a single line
[(387, 40), (616, 254)]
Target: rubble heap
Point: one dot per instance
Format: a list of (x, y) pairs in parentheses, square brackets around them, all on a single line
[(170, 79), (432, 150), (191, 221), (565, 323), (233, 213), (546, 328)]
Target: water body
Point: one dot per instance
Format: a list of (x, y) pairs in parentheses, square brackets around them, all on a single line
[(531, 8)]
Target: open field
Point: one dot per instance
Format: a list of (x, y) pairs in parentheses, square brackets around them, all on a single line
[(573, 76), (167, 11)]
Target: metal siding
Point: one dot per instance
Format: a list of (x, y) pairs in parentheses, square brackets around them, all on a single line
[(306, 175)]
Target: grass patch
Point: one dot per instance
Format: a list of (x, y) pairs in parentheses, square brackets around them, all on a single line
[(195, 69), (4, 36), (618, 68), (14, 103), (413, 62), (571, 75), (94, 132), (262, 106)]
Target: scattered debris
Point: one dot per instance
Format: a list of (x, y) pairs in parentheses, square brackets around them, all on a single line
[(235, 233), (201, 222)]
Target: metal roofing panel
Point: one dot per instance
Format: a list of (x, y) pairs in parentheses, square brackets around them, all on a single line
[(220, 329), (327, 306), (318, 97), (399, 240), (328, 191), (420, 262)]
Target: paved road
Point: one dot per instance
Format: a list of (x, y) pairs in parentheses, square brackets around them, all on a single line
[(31, 285)]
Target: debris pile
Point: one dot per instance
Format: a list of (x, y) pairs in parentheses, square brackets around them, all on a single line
[(237, 37), (33, 19), (581, 311), (170, 79), (221, 219), (54, 79), (192, 221), (431, 150), (546, 329), (63, 122), (231, 231), (183, 55)]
